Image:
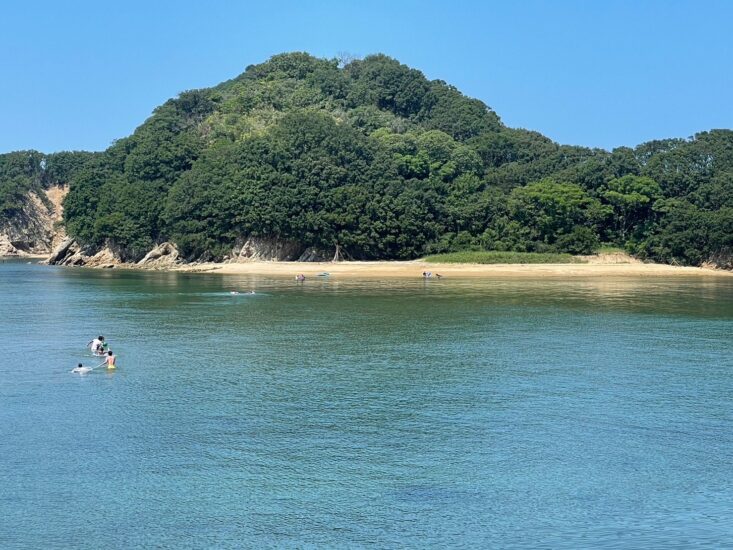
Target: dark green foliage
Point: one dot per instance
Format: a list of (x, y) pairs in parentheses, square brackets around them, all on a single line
[(457, 115), (687, 234), (580, 240), (22, 172), (632, 199), (381, 81), (60, 168), (378, 160), (716, 193), (558, 216), (308, 179)]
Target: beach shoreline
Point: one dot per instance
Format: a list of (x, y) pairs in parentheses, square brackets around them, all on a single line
[(416, 268), (617, 265)]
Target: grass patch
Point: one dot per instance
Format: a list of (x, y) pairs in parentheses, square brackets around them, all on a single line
[(496, 257), (610, 249)]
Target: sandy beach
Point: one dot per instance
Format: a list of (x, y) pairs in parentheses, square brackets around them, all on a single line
[(411, 269)]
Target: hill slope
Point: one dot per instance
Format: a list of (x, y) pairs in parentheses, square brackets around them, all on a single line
[(298, 156), (32, 188)]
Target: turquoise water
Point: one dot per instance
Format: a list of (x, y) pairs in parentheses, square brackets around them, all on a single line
[(451, 413)]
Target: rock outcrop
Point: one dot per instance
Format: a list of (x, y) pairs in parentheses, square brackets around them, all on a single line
[(62, 251), (70, 253), (104, 258), (7, 248), (721, 260), (35, 229), (312, 254), (266, 249), (166, 255), (162, 256)]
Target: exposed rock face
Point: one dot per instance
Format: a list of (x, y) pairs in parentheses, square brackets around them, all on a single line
[(312, 254), (69, 252), (267, 249), (104, 258), (721, 260), (62, 251), (7, 248), (35, 229), (163, 255)]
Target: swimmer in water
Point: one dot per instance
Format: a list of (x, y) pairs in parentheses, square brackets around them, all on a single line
[(81, 369)]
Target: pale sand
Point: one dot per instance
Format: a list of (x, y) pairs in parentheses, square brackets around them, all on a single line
[(415, 268)]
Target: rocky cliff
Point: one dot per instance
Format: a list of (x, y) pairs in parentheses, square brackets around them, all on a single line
[(36, 229), (271, 249), (166, 255)]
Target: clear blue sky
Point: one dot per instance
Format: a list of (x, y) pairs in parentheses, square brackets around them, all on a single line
[(78, 75)]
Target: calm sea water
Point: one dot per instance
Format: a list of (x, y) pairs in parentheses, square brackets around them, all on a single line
[(451, 413)]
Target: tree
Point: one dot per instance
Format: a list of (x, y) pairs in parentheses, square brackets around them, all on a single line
[(632, 199), (550, 209), (369, 155)]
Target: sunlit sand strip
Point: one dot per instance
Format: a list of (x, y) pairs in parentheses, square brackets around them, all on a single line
[(416, 268)]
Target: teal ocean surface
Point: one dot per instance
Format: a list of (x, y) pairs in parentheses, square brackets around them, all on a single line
[(580, 413)]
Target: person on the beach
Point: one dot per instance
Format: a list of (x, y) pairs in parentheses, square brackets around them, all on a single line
[(300, 277)]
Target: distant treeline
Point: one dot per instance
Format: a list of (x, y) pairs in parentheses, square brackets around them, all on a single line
[(373, 157)]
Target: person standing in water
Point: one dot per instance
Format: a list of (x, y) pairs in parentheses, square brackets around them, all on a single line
[(110, 361)]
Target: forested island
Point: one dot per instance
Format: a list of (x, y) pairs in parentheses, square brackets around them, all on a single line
[(370, 158)]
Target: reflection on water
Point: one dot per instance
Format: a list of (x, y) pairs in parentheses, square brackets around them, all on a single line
[(345, 412)]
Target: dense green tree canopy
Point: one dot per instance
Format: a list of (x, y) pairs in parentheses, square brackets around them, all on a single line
[(373, 157), (22, 172)]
